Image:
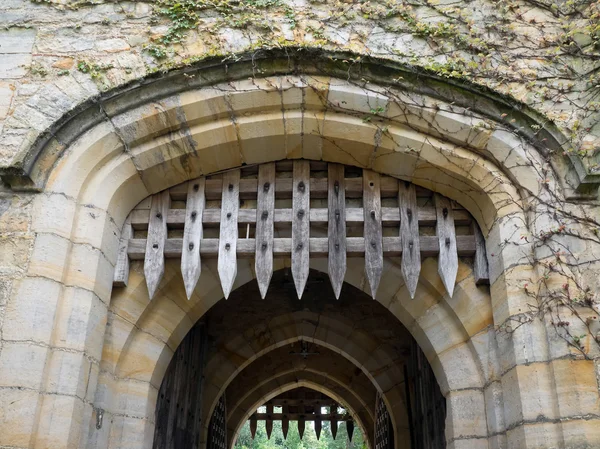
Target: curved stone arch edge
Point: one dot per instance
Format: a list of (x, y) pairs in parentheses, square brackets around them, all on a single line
[(29, 169)]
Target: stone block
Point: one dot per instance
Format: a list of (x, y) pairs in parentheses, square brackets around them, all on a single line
[(17, 416), (460, 368), (61, 422), (53, 213), (83, 322), (67, 373), (14, 65), (262, 137), (15, 212), (141, 356), (576, 387), (347, 96), (14, 253), (22, 365), (529, 394), (17, 40), (31, 312), (522, 344), (136, 399), (582, 433), (465, 416), (49, 256), (540, 435), (469, 443), (90, 270)]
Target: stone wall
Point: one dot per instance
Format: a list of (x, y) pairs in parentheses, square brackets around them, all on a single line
[(91, 125)]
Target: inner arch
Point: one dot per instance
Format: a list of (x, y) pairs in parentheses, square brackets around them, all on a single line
[(359, 351)]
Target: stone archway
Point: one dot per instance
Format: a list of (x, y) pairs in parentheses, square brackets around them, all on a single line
[(103, 165), (362, 352)]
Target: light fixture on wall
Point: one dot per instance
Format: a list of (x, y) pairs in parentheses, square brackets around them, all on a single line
[(304, 350)]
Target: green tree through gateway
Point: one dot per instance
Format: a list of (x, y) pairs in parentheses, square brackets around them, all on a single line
[(293, 440)]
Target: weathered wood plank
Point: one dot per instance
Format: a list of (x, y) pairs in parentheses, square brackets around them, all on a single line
[(228, 234), (295, 416), (318, 423), (301, 225), (248, 187), (373, 231), (409, 232), (154, 262), (480, 263), (333, 419), (269, 420), (448, 257), (319, 247), (253, 423), (285, 422), (301, 425), (336, 229), (350, 429), (390, 217), (121, 276), (264, 227), (192, 235)]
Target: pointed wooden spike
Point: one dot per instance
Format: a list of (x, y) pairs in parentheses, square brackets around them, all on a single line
[(285, 422), (300, 224), (301, 426), (269, 421), (154, 263), (333, 420), (253, 423), (228, 234), (373, 232), (265, 213), (318, 426), (121, 276), (409, 232), (448, 258), (480, 265), (192, 235), (336, 228), (350, 429)]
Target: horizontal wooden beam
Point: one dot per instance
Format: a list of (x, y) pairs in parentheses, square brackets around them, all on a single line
[(319, 247), (390, 216), (283, 188), (296, 416)]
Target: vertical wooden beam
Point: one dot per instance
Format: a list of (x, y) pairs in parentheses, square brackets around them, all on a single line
[(253, 425), (228, 234), (318, 422), (409, 233), (480, 265), (265, 211), (301, 426), (192, 235), (373, 231), (300, 224), (350, 429), (285, 422), (333, 420), (301, 419), (121, 276), (154, 262), (269, 421), (448, 257), (336, 229)]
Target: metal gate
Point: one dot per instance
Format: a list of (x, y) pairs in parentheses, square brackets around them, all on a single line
[(425, 402)]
